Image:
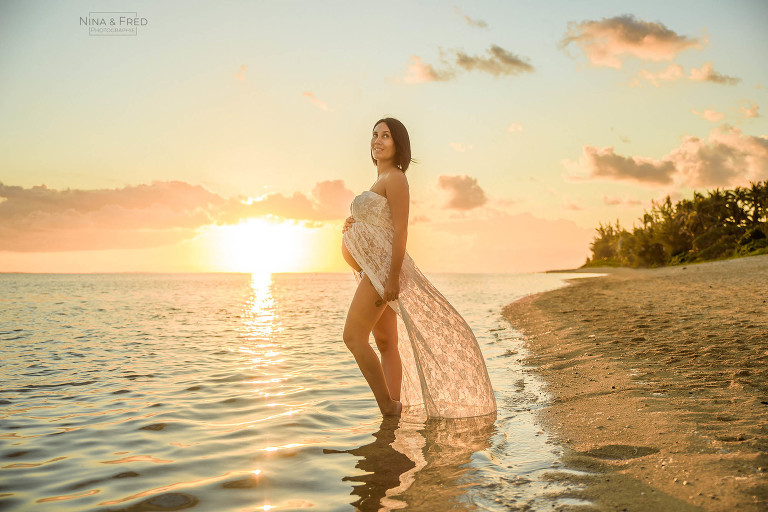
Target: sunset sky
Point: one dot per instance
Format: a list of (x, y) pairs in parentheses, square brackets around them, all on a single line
[(232, 135)]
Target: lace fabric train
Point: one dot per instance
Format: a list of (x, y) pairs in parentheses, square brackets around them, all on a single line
[(444, 374)]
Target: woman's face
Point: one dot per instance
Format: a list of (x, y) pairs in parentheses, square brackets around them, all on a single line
[(382, 143)]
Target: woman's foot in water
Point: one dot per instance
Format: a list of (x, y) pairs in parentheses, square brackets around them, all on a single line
[(396, 410)]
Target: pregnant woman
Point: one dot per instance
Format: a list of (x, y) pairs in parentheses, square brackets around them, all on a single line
[(431, 363)]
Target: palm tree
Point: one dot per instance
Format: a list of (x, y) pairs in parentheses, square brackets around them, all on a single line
[(755, 198)]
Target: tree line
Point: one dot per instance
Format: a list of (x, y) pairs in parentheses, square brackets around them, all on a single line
[(721, 224)]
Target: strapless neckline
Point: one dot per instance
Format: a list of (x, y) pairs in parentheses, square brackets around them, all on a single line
[(375, 193)]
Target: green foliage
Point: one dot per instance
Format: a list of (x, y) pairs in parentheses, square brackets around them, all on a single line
[(722, 224), (753, 241)]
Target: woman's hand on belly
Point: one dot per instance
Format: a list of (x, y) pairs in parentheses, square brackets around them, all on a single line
[(347, 224)]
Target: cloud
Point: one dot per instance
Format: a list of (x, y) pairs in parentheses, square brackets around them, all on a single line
[(607, 41), (43, 219), (616, 201), (727, 158), (515, 127), (604, 163), (173, 196), (329, 200), (241, 74), (571, 205), (419, 72), (470, 21), (459, 147), (497, 62), (710, 115), (751, 111), (707, 74), (332, 199), (317, 102), (465, 192), (161, 213), (672, 73)]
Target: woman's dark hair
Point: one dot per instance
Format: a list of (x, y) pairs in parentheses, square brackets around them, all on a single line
[(402, 143)]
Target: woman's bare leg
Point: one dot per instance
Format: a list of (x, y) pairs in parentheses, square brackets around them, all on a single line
[(362, 316), (385, 334)]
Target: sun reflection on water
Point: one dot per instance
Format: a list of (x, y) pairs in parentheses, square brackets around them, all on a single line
[(260, 325), (259, 314)]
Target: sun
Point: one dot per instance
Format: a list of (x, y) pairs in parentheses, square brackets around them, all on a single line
[(261, 246)]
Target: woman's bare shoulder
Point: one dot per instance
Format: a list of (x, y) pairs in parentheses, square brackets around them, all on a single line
[(396, 180)]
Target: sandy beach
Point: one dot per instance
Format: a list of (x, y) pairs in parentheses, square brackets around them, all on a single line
[(659, 379)]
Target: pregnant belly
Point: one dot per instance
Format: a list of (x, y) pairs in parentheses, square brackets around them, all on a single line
[(348, 257)]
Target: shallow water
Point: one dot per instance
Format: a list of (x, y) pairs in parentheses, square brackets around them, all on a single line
[(230, 392)]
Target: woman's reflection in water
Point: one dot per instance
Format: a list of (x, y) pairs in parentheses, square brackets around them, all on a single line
[(413, 464)]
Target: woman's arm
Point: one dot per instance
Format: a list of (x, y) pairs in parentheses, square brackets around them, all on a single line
[(399, 199)]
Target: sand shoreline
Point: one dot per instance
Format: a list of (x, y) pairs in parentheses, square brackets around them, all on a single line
[(659, 380)]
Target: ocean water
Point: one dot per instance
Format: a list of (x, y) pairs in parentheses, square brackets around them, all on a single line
[(235, 392)]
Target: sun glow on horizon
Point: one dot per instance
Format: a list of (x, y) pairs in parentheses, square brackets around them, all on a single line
[(260, 246)]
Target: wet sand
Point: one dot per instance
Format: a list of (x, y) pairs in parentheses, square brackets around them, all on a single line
[(659, 379)]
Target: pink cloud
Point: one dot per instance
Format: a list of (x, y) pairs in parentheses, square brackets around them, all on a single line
[(672, 73), (419, 72), (727, 158), (176, 196), (617, 201), (43, 219), (329, 201), (751, 111), (318, 103), (465, 192), (571, 205), (332, 199), (140, 216), (712, 116), (707, 73), (607, 41)]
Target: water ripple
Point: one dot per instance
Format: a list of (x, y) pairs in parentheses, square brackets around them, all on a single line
[(227, 392)]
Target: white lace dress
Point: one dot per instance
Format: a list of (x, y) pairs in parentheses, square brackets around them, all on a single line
[(444, 374)]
